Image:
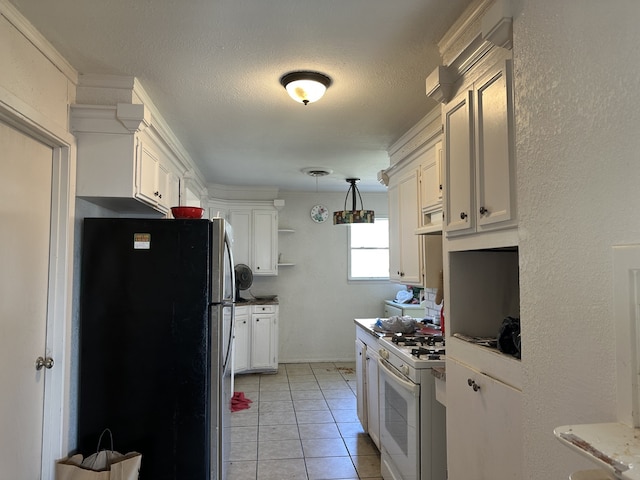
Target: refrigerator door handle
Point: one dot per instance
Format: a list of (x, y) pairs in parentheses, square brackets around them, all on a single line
[(230, 339)]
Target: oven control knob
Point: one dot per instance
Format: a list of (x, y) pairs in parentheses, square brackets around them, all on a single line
[(404, 369), (383, 354)]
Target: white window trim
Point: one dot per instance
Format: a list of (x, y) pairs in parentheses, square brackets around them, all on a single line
[(351, 279)]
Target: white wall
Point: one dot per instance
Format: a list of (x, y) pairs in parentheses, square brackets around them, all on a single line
[(577, 84), (317, 303)]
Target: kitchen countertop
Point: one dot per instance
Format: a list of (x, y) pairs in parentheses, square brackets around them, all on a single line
[(255, 301), (367, 325)]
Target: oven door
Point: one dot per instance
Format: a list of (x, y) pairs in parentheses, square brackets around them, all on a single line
[(399, 424)]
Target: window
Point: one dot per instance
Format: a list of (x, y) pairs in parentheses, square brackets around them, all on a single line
[(369, 250)]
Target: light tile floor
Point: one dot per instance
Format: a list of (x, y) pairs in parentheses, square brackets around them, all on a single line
[(302, 425)]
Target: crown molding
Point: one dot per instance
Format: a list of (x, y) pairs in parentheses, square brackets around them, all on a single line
[(15, 18)]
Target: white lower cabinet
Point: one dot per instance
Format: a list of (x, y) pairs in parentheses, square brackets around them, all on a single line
[(241, 340), (368, 407), (256, 339), (484, 426), (373, 404)]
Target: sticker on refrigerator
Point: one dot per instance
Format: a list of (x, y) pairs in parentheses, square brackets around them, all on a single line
[(141, 241)]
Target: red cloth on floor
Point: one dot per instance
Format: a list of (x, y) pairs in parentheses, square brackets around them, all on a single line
[(239, 402)]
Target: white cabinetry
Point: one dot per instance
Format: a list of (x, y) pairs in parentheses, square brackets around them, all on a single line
[(367, 383), (241, 339), (405, 265), (415, 202), (484, 426), (479, 162), (256, 338), (255, 238), (431, 187), (392, 309), (157, 185), (123, 163)]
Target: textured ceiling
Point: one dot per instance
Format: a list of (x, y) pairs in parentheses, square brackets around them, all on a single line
[(212, 68)]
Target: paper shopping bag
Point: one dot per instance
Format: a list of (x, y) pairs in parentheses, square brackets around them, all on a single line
[(127, 467), (102, 465)]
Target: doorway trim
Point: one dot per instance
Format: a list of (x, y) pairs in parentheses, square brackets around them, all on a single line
[(56, 421)]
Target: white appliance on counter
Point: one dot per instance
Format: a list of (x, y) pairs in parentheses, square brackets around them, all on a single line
[(412, 423)]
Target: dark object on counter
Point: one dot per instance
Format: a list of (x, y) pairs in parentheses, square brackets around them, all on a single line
[(509, 337)]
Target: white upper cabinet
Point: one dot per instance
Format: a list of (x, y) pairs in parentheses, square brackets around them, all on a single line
[(265, 244), (458, 128), (404, 245), (156, 184), (123, 163), (479, 162), (255, 238), (431, 178)]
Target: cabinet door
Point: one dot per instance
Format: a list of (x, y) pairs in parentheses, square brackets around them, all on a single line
[(265, 244), (171, 197), (494, 129), (458, 169), (361, 395), (484, 426), (240, 221), (147, 169), (241, 342), (410, 254), (430, 182), (162, 185), (373, 403), (395, 266), (263, 341)]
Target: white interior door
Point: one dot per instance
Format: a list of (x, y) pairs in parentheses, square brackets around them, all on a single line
[(25, 206)]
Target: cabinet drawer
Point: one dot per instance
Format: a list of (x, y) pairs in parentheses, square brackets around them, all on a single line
[(263, 308)]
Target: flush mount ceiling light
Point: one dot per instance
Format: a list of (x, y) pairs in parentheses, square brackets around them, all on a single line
[(305, 87), (317, 171), (345, 216)]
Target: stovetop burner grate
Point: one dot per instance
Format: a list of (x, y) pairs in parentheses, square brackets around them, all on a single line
[(418, 340)]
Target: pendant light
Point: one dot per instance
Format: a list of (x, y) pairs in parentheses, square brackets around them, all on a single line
[(305, 86), (345, 216)]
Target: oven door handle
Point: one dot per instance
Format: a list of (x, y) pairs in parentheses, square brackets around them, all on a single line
[(387, 367)]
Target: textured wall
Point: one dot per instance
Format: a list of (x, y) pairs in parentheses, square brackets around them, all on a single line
[(577, 79)]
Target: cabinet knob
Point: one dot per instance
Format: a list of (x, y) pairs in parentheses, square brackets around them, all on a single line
[(483, 211), (473, 384), (440, 186), (44, 363), (463, 215)]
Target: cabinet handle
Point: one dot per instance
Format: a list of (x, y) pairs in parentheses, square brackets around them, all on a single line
[(463, 215), (483, 211), (473, 384), (44, 363)]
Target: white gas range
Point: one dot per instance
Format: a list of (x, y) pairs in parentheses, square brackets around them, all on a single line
[(412, 422)]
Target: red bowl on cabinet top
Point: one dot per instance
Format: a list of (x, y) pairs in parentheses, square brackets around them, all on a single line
[(187, 212)]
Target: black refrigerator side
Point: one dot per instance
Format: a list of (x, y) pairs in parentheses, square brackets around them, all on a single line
[(145, 343)]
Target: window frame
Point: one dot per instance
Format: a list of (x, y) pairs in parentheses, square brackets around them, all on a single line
[(350, 278)]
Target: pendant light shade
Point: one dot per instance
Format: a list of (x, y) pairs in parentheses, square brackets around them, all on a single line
[(305, 87), (345, 216)]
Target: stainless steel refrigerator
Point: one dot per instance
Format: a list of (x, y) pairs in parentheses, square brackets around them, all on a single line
[(156, 323)]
